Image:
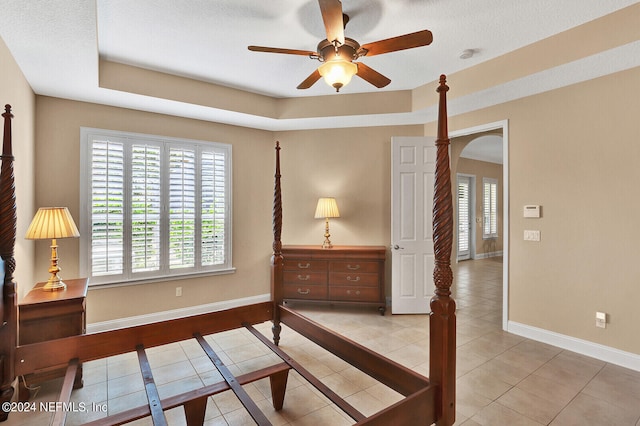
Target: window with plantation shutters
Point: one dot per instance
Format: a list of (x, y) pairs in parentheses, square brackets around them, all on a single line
[(490, 208), (153, 207)]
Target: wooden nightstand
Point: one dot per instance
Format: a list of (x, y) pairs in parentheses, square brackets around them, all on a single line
[(343, 274), (45, 315)]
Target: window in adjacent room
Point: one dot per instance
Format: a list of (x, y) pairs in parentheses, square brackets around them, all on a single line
[(490, 208), (153, 207)]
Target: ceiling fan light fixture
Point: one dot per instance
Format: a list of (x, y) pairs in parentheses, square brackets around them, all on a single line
[(338, 72), (337, 52)]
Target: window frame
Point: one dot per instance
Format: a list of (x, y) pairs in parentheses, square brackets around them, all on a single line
[(164, 272), (491, 211)]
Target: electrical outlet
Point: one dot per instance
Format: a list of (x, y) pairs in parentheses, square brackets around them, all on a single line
[(601, 320), (178, 291)]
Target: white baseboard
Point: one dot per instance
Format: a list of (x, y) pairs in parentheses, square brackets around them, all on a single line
[(584, 347), (174, 313), (488, 255)]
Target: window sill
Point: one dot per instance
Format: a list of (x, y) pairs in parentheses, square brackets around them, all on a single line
[(105, 285)]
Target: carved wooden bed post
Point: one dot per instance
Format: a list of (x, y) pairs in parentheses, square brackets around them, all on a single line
[(277, 261), (8, 309), (442, 320)]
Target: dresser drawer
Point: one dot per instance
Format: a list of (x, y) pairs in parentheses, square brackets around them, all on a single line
[(304, 291), (343, 274), (353, 278), (354, 266), (360, 294), (305, 265), (305, 277)]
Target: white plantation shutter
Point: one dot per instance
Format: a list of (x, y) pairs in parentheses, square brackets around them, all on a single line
[(490, 208), (107, 208), (182, 207), (463, 216), (155, 207), (213, 208), (145, 208)]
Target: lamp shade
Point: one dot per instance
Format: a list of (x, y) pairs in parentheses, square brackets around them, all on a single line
[(327, 207), (52, 222), (337, 72)]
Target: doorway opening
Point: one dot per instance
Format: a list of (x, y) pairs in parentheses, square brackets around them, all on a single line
[(475, 144)]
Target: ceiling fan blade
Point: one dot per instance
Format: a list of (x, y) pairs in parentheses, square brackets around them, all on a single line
[(279, 50), (310, 81), (407, 41), (372, 76), (333, 21)]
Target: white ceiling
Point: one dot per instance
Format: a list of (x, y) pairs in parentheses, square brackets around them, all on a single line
[(485, 148), (57, 44)]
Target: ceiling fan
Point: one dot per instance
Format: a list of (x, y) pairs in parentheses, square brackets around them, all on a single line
[(338, 53)]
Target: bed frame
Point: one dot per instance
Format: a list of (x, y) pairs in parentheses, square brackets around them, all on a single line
[(426, 400)]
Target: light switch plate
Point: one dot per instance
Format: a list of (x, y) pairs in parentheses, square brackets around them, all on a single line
[(532, 235)]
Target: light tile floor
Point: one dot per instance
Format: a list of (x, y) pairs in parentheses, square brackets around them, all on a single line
[(503, 379)]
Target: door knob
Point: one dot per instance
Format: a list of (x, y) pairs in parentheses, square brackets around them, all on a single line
[(397, 247)]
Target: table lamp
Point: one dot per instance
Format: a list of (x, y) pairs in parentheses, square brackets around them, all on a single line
[(326, 208), (52, 223)]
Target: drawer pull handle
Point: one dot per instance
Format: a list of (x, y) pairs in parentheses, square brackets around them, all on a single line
[(301, 291), (304, 266), (356, 279), (353, 267), (357, 292), (304, 277)]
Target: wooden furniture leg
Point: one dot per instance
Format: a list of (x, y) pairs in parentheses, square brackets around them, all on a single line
[(8, 297), (442, 320), (194, 410), (278, 387), (277, 261)]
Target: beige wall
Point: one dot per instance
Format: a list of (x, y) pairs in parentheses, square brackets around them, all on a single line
[(58, 145), (574, 151), (15, 91), (351, 164)]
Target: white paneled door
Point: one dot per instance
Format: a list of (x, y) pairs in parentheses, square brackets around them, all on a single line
[(412, 260)]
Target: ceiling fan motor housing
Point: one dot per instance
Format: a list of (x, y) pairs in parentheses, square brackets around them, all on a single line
[(347, 51)]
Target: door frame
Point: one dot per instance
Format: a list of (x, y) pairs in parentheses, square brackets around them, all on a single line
[(472, 215), (504, 126)]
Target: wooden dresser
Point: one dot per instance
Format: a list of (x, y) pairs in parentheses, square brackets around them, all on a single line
[(342, 274), (46, 315)]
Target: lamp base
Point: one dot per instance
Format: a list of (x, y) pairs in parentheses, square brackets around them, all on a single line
[(327, 244), (54, 285)]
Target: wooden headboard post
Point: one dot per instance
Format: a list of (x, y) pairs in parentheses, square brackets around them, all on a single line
[(277, 261), (8, 307), (442, 321)]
